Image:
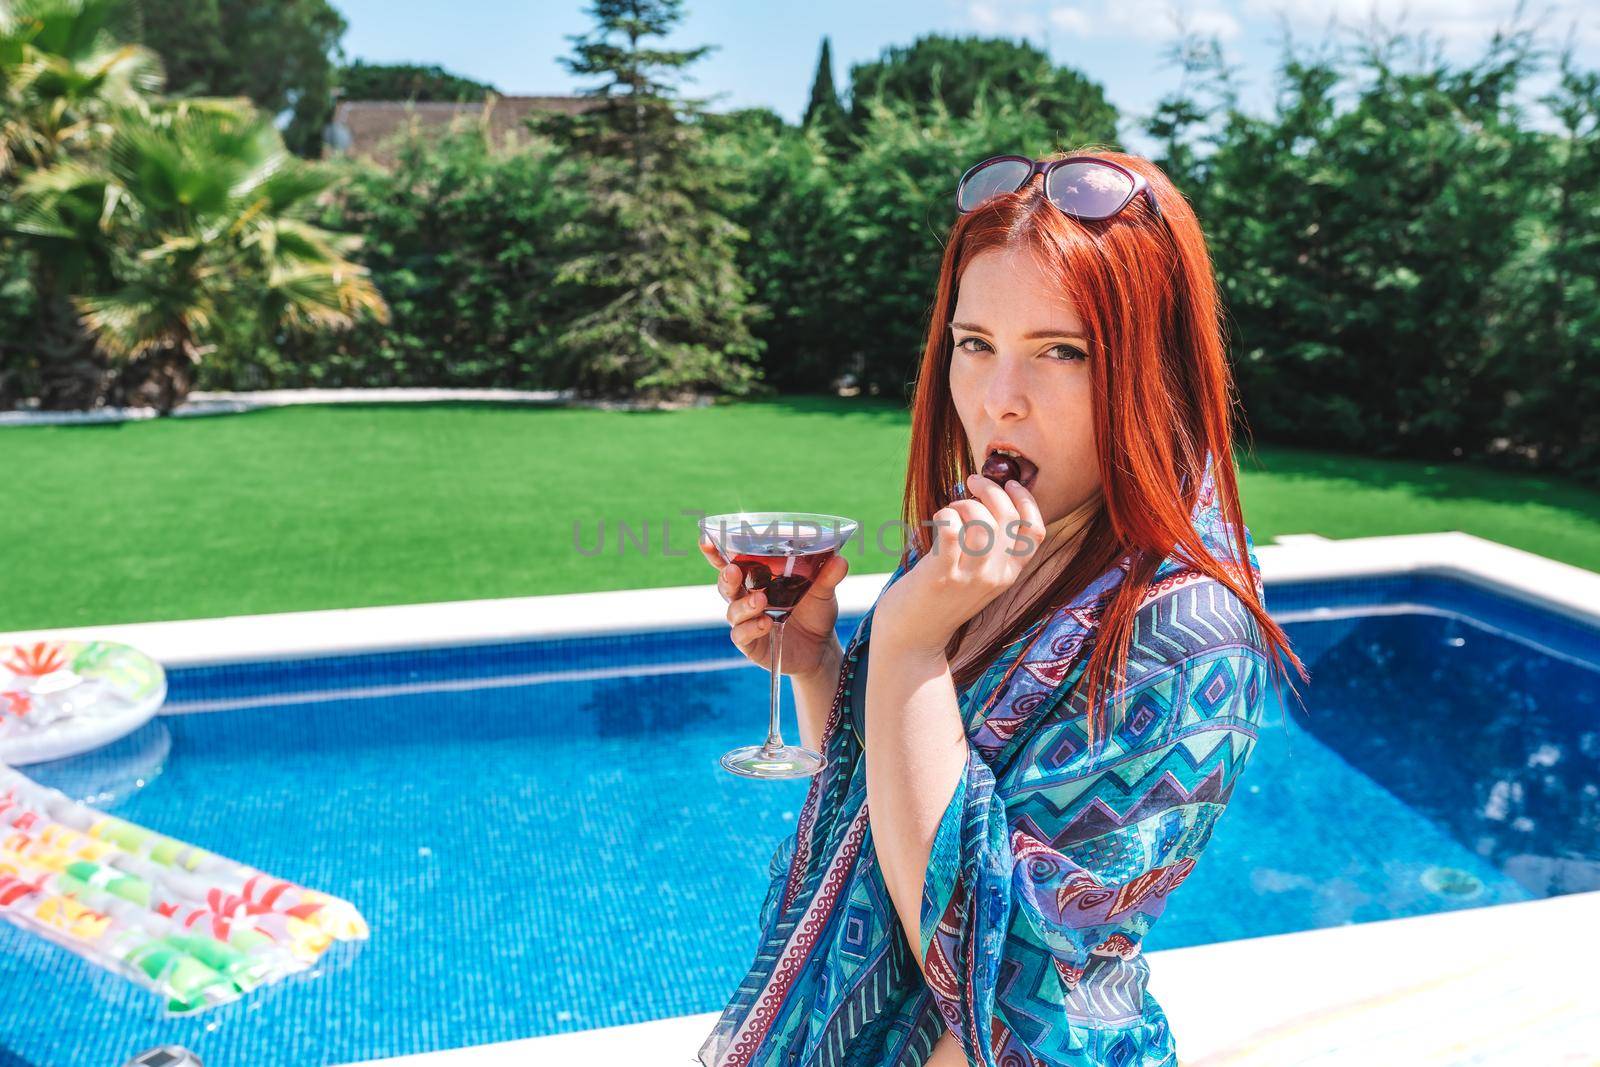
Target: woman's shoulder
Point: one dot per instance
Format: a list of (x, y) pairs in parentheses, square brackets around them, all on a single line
[(1186, 613)]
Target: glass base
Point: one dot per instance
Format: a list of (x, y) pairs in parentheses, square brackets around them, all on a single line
[(786, 761)]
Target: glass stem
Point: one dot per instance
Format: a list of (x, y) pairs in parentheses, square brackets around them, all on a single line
[(774, 739)]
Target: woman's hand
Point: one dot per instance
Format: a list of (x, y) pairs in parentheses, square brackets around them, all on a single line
[(964, 569), (809, 642)]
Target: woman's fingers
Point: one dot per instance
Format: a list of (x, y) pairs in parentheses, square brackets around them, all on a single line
[(750, 631), (713, 557), (946, 530), (990, 523), (1019, 521), (730, 583), (1028, 512), (996, 499), (746, 607), (977, 533), (828, 579), (747, 618)]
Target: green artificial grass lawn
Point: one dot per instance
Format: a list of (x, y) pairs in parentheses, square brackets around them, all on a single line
[(352, 505)]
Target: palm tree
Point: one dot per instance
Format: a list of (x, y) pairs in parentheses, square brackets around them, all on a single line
[(200, 213), (62, 74)]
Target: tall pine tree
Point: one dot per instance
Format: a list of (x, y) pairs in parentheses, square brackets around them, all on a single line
[(824, 111), (657, 303)]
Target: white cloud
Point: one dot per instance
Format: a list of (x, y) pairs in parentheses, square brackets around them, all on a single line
[(1455, 22), (1012, 18), (1143, 20), (1139, 20)]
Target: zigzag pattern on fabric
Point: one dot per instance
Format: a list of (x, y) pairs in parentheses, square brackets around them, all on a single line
[(1200, 615), (865, 1004), (1191, 622), (1104, 837)]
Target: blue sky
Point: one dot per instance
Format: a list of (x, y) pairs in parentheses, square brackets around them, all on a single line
[(768, 48)]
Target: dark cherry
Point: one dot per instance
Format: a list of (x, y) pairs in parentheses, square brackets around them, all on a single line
[(781, 590), (1000, 468), (756, 575), (784, 591)]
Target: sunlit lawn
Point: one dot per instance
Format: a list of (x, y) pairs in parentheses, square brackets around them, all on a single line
[(346, 506)]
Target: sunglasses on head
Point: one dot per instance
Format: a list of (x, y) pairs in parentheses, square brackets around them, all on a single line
[(1084, 187)]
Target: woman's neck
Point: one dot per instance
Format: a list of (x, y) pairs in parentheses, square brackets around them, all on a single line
[(1068, 527)]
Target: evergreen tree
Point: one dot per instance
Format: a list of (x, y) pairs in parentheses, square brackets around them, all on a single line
[(1546, 307), (1188, 122), (657, 303), (407, 81), (824, 111)]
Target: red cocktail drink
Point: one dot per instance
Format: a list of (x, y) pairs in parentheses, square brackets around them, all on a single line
[(779, 554)]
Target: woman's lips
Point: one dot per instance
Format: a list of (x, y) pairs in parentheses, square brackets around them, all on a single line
[(1000, 467)]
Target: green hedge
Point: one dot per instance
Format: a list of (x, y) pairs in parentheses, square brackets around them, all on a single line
[(1408, 255), (458, 238)]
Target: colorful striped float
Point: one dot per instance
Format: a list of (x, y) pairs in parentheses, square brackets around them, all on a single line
[(189, 925)]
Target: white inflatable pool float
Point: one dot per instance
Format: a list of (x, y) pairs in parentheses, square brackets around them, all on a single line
[(60, 698)]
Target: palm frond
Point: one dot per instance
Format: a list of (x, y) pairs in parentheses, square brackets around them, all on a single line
[(321, 296), (198, 159), (290, 187), (70, 201), (138, 319), (291, 239)]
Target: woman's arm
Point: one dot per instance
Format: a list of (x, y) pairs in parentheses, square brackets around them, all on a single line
[(916, 744), (814, 693), (916, 753)]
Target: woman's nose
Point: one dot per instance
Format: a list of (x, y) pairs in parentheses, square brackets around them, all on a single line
[(1007, 393)]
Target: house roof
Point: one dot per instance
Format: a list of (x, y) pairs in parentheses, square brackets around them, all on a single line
[(367, 128)]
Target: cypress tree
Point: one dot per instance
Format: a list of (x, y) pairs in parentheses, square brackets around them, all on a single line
[(824, 107)]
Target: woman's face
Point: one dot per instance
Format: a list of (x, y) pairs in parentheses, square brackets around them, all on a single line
[(1020, 378)]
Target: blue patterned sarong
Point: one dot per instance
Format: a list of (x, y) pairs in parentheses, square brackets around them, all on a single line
[(1050, 864)]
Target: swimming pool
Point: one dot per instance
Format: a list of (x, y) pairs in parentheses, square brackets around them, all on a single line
[(542, 840)]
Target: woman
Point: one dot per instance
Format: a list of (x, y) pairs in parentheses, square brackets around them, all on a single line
[(1032, 733)]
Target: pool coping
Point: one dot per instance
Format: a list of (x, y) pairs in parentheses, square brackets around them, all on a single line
[(1561, 587), (1353, 994)]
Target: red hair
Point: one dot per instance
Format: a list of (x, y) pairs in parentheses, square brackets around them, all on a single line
[(1163, 398)]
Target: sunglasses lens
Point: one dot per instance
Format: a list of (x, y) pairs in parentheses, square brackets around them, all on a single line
[(1089, 190), (997, 179)]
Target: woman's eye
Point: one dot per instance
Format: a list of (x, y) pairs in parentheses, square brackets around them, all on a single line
[(1064, 352)]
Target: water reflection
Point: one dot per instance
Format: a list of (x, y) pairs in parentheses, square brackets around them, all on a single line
[(1496, 744), (651, 705), (108, 776)]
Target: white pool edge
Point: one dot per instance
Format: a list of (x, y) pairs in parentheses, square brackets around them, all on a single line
[(1558, 586), (1268, 1001)]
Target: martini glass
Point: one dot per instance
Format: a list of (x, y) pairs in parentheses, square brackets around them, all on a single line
[(779, 553)]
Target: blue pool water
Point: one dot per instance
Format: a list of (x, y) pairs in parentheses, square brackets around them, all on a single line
[(542, 840)]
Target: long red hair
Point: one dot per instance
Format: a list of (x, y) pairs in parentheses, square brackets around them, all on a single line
[(1163, 398)]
